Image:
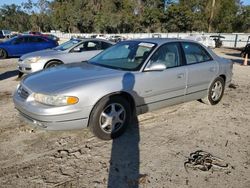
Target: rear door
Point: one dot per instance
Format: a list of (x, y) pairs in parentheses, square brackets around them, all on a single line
[(201, 68), (38, 43)]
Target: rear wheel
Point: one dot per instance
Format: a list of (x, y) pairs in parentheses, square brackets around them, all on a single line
[(3, 54), (215, 92), (110, 117), (52, 64)]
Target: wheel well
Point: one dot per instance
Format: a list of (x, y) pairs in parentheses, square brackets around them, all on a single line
[(224, 77), (56, 60), (5, 51), (123, 94)]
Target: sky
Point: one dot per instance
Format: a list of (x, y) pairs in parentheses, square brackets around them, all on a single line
[(8, 2)]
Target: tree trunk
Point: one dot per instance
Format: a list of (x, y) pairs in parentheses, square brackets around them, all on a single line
[(211, 17)]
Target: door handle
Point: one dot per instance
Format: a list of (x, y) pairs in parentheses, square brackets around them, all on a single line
[(181, 75)]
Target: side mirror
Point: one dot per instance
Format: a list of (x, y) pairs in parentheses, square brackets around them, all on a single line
[(155, 67)]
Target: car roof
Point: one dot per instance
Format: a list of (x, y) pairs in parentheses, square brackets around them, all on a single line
[(160, 41), (92, 39), (28, 35)]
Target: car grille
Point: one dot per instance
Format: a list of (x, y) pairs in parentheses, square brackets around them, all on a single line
[(23, 93)]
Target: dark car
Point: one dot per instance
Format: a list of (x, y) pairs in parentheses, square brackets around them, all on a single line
[(5, 34), (245, 50), (20, 45), (1, 35)]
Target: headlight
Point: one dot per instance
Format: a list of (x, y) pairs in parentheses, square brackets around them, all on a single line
[(33, 59), (55, 100)]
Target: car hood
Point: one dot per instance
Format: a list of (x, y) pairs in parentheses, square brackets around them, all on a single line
[(42, 53), (63, 77)]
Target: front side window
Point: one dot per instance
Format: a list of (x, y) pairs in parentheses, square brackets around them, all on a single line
[(67, 45), (194, 53), (18, 40), (168, 54), (87, 46), (128, 55), (91, 45)]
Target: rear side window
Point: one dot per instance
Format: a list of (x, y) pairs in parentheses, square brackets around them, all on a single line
[(195, 53), (105, 45), (36, 39), (39, 39)]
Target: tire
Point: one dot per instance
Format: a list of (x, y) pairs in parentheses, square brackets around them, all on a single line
[(52, 64), (109, 109), (20, 74), (3, 54), (242, 54), (215, 92)]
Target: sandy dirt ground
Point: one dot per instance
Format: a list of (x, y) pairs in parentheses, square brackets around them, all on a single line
[(150, 154)]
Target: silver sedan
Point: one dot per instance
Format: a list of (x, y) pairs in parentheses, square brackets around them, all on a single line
[(132, 77), (74, 50)]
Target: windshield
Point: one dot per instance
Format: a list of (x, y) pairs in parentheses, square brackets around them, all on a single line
[(67, 45), (128, 55)]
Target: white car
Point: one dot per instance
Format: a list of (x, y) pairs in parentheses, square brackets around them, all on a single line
[(74, 50)]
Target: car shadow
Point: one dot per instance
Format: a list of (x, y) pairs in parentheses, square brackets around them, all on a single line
[(236, 58), (8, 74), (124, 169), (125, 159), (233, 54)]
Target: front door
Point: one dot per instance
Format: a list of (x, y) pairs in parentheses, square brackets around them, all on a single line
[(162, 88)]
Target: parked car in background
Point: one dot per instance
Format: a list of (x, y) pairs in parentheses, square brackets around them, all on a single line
[(245, 50), (98, 36), (5, 34), (206, 41), (131, 77), (156, 35), (74, 50), (50, 36), (217, 40), (23, 44), (116, 38)]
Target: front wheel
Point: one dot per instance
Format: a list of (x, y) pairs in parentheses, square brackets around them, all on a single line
[(52, 64), (215, 92), (110, 117)]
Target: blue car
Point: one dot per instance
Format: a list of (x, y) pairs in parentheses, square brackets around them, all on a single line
[(23, 44)]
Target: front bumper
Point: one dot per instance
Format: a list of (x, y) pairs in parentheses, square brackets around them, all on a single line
[(55, 125), (29, 67), (50, 117)]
